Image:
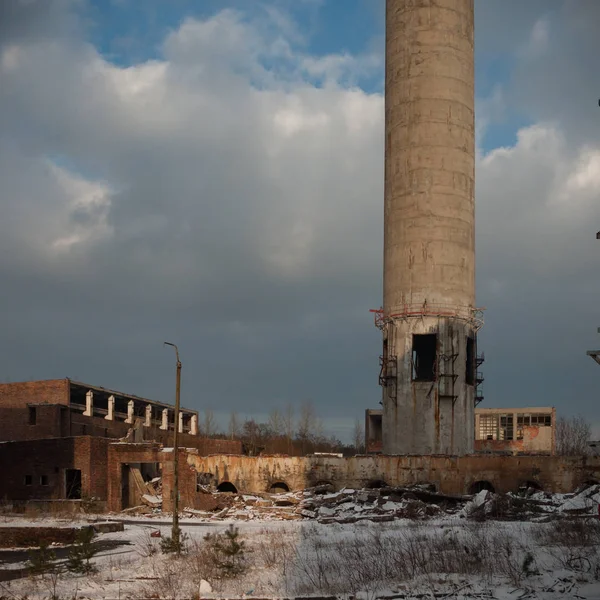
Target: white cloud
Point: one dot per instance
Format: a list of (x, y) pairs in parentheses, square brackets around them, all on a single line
[(86, 207), (223, 197)]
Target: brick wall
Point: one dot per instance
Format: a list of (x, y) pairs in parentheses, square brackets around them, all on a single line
[(36, 469), (14, 413), (55, 418), (91, 457)]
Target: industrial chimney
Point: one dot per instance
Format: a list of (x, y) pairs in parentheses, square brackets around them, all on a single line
[(429, 321)]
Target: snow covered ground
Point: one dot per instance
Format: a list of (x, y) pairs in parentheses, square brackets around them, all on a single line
[(467, 552)]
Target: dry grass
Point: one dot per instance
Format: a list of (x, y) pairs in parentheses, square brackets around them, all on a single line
[(368, 559)]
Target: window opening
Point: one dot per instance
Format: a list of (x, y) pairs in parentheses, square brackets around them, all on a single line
[(32, 415), (43, 479), (488, 427), (470, 366), (28, 479), (506, 427), (424, 356)]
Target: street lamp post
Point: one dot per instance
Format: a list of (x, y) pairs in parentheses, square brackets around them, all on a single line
[(175, 533), (595, 354)]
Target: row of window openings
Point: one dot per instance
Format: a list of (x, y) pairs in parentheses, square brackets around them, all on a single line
[(43, 480), (424, 358), (490, 429)]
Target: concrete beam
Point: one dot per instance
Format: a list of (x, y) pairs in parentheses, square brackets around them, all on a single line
[(89, 404), (110, 415), (165, 419), (130, 406)]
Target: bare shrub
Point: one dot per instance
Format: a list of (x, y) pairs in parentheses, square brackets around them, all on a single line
[(171, 582), (574, 545), (572, 436), (570, 532), (146, 545), (200, 564), (370, 560)]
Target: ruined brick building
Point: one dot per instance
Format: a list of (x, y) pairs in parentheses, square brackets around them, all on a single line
[(55, 436), (72, 440), (58, 408)]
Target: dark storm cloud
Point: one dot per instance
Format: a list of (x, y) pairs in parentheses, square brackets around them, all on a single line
[(216, 201)]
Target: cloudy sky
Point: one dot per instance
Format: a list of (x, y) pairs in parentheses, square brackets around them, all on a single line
[(210, 172)]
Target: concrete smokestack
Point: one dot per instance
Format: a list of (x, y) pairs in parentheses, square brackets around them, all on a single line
[(429, 321)]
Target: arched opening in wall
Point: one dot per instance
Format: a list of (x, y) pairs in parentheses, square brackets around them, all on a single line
[(529, 487), (428, 487), (227, 486), (376, 484), (279, 487), (479, 486)]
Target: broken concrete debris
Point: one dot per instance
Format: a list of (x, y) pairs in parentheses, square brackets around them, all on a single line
[(379, 505)]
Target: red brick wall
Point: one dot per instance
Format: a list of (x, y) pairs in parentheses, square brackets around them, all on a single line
[(51, 457), (91, 456), (14, 414)]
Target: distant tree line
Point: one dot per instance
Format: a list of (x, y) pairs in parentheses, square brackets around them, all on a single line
[(573, 436), (284, 432)]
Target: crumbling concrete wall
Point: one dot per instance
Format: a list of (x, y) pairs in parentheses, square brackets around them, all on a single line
[(104, 471), (451, 475)]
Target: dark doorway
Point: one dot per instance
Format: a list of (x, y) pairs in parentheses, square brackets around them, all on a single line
[(73, 484), (227, 486), (479, 486), (125, 486), (424, 356), (376, 484), (470, 373)]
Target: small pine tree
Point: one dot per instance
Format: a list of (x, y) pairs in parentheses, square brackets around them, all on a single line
[(41, 560), (176, 544), (228, 552), (82, 552)]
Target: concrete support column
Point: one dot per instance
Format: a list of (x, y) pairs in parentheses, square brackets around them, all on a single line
[(148, 420), (180, 422), (89, 404), (165, 419), (111, 409), (130, 406), (194, 425)]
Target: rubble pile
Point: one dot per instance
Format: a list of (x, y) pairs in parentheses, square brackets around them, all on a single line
[(533, 505), (376, 505), (383, 504)]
